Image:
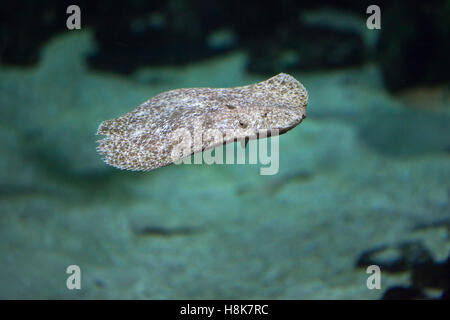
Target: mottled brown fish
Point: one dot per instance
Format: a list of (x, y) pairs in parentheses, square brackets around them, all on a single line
[(145, 138)]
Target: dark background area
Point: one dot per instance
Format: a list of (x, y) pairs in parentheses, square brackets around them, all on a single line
[(276, 36)]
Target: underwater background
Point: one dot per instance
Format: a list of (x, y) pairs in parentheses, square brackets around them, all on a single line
[(364, 180)]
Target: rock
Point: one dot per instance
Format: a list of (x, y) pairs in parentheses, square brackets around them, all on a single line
[(320, 40), (177, 32), (403, 293), (432, 275), (413, 46), (396, 258), (25, 26)]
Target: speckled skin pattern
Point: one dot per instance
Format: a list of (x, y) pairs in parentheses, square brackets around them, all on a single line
[(143, 139)]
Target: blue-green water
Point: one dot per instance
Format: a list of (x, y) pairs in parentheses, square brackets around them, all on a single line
[(365, 169)]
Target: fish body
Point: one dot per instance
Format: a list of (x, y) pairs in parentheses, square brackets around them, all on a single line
[(144, 139)]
